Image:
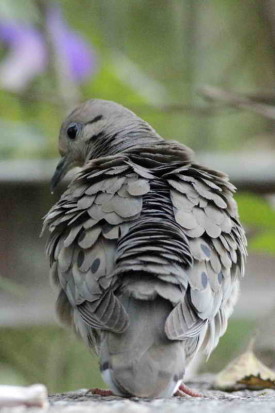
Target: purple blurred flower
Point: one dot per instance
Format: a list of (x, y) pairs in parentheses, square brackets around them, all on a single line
[(27, 52), (26, 57), (70, 46)]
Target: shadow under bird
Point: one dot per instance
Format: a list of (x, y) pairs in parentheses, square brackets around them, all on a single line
[(145, 247)]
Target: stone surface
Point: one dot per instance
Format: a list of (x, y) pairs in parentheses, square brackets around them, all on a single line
[(214, 401)]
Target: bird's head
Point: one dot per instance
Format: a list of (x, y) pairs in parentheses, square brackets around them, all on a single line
[(97, 128)]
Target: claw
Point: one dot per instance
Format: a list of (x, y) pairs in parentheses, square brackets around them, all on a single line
[(184, 390)]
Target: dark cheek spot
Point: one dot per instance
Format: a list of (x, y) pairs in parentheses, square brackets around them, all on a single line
[(96, 119), (95, 265)]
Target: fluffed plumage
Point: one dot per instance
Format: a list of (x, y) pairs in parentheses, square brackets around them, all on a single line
[(145, 247)]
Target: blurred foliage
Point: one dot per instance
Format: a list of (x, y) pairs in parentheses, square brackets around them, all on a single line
[(20, 140), (230, 345), (161, 54), (12, 287), (259, 216), (56, 358), (48, 355), (264, 242)]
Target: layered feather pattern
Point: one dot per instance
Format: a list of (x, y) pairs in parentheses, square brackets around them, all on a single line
[(179, 224), (147, 225)]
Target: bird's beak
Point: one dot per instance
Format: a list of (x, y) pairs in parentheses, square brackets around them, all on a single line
[(63, 166)]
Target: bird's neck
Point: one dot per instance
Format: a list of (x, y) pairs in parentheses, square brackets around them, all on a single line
[(125, 140), (130, 140)]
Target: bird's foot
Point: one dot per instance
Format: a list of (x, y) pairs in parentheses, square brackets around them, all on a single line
[(100, 392), (184, 390)]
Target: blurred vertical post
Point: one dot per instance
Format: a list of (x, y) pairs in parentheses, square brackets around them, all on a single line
[(67, 91), (267, 11), (188, 48)]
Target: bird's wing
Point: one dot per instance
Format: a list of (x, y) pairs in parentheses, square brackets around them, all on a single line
[(204, 207), (97, 208)]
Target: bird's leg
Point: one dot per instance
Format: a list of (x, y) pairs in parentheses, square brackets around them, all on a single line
[(100, 392), (185, 390)]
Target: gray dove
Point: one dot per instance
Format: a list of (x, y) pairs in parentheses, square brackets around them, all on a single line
[(145, 247)]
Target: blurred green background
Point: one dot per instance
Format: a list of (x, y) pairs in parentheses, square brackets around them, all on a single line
[(153, 56)]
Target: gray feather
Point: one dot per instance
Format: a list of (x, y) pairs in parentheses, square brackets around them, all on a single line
[(146, 249), (89, 237), (105, 314)]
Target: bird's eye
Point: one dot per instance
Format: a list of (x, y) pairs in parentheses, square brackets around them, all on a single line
[(73, 130)]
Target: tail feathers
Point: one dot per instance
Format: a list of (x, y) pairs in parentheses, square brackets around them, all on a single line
[(142, 361)]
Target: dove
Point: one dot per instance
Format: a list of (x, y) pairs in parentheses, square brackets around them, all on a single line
[(145, 247)]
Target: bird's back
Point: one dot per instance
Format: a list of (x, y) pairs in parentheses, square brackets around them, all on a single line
[(146, 249)]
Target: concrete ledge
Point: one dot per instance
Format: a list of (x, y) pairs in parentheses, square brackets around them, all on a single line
[(215, 402), (248, 171)]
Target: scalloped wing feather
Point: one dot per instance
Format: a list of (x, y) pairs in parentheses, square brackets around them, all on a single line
[(204, 207), (85, 228)]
